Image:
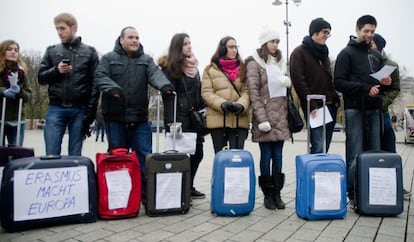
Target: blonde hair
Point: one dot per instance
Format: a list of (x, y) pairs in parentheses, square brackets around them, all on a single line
[(66, 18), (3, 48)]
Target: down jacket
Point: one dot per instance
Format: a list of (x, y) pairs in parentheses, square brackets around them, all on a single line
[(216, 89)]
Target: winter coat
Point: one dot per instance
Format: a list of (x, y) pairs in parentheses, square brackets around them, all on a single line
[(389, 93), (216, 89), (265, 108), (353, 67), (129, 76), (311, 76), (74, 89)]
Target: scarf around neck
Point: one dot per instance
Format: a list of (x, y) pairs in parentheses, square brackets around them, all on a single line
[(320, 52), (230, 67), (190, 68), (9, 70)]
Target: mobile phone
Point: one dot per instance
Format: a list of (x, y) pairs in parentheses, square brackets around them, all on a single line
[(66, 61)]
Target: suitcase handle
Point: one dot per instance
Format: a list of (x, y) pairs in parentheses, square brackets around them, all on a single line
[(50, 157), (118, 151)]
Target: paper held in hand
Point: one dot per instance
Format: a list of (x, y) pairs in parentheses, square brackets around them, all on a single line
[(317, 121), (385, 71)]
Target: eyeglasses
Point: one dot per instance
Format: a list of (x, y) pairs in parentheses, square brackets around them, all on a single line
[(232, 47), (327, 33)]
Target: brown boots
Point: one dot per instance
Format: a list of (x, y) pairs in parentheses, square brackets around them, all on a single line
[(271, 186)]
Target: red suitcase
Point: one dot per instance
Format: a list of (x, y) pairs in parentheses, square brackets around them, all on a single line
[(119, 184)]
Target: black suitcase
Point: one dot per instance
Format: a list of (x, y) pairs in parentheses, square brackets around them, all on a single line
[(47, 191), (379, 184), (168, 180)]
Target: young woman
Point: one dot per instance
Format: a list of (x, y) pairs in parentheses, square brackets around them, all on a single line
[(267, 83), (224, 89), (181, 68), (13, 86)]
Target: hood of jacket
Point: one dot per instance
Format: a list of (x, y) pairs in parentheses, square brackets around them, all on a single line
[(353, 41)]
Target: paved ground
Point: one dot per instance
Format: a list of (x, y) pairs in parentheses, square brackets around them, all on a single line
[(261, 225)]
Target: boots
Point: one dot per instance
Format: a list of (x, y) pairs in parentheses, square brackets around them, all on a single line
[(266, 184), (278, 182)]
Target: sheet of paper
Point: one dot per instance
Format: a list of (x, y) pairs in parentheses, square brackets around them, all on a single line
[(382, 186), (168, 190), (317, 121), (119, 186), (236, 185), (327, 191), (385, 71), (276, 89)]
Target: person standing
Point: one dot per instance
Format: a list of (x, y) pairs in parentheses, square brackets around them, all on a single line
[(267, 84), (311, 73), (181, 68), (389, 93), (68, 68), (361, 94), (224, 89), (14, 86), (123, 76)]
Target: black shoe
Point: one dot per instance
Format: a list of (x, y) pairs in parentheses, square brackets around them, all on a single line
[(196, 194), (352, 203)]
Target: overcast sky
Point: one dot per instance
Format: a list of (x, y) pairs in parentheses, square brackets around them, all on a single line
[(30, 22)]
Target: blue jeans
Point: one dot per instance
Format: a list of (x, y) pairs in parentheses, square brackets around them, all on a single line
[(270, 152), (362, 131), (57, 120), (134, 136), (10, 132), (316, 134), (388, 136)]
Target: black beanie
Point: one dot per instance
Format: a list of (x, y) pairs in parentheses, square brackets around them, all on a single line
[(317, 25), (379, 41)]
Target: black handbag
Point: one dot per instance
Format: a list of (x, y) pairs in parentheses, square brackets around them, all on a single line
[(294, 119)]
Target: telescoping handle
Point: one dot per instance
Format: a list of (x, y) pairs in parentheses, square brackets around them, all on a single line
[(316, 97), (173, 126), (3, 120)]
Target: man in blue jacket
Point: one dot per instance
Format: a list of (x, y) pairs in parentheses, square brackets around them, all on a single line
[(123, 76)]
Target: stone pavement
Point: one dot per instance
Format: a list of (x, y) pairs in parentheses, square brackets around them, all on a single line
[(261, 225)]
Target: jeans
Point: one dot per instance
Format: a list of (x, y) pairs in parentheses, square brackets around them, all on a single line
[(233, 137), (57, 120), (316, 134), (10, 132), (388, 136), (134, 136), (362, 129), (271, 152)]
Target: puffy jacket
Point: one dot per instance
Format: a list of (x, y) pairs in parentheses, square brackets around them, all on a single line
[(73, 89), (216, 89), (129, 76), (353, 67)]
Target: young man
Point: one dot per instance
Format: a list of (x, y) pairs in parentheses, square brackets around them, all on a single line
[(362, 102), (123, 76), (311, 73), (68, 69)]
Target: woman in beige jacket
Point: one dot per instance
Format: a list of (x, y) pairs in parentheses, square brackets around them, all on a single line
[(267, 83), (224, 90)]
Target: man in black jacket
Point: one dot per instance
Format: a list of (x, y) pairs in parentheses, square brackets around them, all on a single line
[(68, 68)]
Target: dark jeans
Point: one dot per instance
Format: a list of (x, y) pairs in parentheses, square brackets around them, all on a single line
[(233, 138), (316, 135), (196, 160), (388, 136), (10, 132), (271, 152)]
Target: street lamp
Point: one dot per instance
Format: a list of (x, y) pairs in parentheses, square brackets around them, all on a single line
[(287, 23)]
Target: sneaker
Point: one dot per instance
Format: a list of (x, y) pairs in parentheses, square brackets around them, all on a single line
[(352, 203), (407, 194), (196, 194)]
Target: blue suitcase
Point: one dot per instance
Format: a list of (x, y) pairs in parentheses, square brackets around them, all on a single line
[(379, 184), (47, 191), (320, 186), (233, 183)]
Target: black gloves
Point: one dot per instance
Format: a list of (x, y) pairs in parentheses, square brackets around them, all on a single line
[(227, 107), (90, 114), (86, 129), (237, 108)]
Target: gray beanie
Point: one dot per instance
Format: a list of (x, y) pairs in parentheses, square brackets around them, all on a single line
[(379, 41), (317, 25)]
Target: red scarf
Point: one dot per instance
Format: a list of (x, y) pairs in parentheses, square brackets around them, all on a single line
[(230, 67)]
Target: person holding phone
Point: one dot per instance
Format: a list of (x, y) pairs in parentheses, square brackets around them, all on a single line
[(68, 69)]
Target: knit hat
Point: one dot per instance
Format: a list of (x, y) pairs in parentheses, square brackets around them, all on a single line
[(317, 25), (267, 35), (379, 41)]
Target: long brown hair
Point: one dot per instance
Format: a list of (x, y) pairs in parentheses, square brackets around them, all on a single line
[(176, 59), (3, 62)]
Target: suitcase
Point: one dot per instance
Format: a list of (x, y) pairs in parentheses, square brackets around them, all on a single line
[(320, 182), (379, 184), (168, 178), (12, 151), (233, 182), (47, 191), (119, 184)]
